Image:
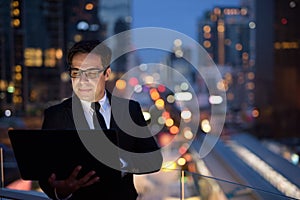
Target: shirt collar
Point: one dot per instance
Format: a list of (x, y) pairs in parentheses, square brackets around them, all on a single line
[(103, 102)]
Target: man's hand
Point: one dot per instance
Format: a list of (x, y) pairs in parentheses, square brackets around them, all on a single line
[(66, 187)]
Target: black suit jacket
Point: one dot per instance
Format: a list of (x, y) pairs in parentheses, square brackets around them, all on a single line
[(69, 115)]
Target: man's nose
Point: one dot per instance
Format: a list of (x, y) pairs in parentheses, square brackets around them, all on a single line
[(83, 77)]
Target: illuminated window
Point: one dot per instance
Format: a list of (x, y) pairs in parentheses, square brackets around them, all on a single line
[(50, 57), (33, 57)]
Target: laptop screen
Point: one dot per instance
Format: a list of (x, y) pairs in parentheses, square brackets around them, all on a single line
[(39, 153)]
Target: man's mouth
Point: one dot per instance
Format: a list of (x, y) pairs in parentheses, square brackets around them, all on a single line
[(84, 90)]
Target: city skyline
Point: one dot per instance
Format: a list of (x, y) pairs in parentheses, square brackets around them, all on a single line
[(180, 16)]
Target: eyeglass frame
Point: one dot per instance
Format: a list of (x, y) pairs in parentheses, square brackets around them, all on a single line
[(81, 71)]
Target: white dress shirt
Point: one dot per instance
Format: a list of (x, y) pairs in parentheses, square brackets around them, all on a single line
[(105, 110)]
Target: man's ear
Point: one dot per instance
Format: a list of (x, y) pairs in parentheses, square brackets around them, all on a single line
[(107, 73)]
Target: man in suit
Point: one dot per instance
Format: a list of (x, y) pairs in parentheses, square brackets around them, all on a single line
[(89, 67)]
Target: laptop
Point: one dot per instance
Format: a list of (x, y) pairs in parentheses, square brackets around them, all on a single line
[(39, 153)]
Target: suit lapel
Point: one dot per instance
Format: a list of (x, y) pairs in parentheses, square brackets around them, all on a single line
[(75, 109)]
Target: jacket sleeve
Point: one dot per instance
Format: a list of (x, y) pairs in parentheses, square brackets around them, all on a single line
[(146, 145)]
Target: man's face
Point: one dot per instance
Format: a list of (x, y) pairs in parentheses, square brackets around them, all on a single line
[(90, 85)]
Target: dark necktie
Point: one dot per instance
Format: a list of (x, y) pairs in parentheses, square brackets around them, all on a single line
[(98, 120)]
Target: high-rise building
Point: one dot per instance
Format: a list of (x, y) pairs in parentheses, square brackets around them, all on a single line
[(226, 33), (6, 20), (82, 21), (113, 12), (43, 57), (259, 43), (287, 67), (34, 37), (278, 50), (116, 16)]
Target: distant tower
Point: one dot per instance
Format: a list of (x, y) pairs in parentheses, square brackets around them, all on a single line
[(111, 11), (277, 67), (227, 34), (116, 16)]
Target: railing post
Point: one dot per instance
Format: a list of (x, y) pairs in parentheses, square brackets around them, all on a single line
[(1, 168), (182, 185)]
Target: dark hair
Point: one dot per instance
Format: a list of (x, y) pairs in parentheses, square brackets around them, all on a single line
[(87, 46)]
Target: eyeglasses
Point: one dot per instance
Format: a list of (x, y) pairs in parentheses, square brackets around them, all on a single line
[(89, 73)]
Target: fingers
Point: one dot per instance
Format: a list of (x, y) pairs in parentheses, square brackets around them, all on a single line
[(52, 180), (71, 184), (75, 173), (88, 179)]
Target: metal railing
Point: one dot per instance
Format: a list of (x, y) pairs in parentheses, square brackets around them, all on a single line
[(179, 183), (6, 193)]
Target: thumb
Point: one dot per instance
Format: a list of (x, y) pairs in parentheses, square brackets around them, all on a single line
[(52, 180)]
